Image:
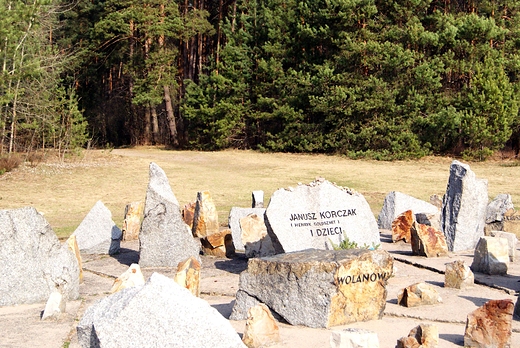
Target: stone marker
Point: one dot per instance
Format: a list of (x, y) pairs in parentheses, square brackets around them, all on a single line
[(97, 233), (490, 325), (261, 328), (428, 241), (188, 275), (188, 213), (496, 211), (491, 256), (318, 215), (235, 215), (218, 244), (422, 336), (458, 275), (317, 288), (257, 242), (165, 239), (73, 246), (258, 199), (33, 263), (401, 227), (354, 338), (157, 314), (512, 241), (418, 294), (132, 220), (396, 203), (54, 307), (463, 208), (205, 217), (131, 277)]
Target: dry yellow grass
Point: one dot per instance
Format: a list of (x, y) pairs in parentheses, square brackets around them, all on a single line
[(65, 192)]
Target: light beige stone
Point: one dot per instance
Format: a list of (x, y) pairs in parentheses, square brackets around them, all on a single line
[(354, 338), (512, 241), (55, 306), (491, 256), (261, 328), (132, 221), (257, 242), (205, 219), (73, 246), (490, 325), (418, 294), (458, 275), (131, 277), (422, 336), (188, 275)]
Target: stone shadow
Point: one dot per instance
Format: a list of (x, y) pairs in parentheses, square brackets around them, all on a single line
[(477, 301), (453, 338), (126, 256), (235, 265), (224, 308), (439, 284)]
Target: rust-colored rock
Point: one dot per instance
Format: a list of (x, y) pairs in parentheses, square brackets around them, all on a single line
[(458, 275), (188, 275), (73, 246), (401, 227), (205, 218), (132, 221), (490, 325), (218, 244), (188, 213), (422, 336), (428, 241), (261, 328), (418, 294)]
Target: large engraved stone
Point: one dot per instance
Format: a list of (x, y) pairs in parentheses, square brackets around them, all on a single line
[(428, 241), (98, 233), (491, 256), (33, 263), (490, 325), (318, 215), (205, 218), (397, 203), (235, 215), (132, 221), (254, 236), (464, 208), (165, 239), (317, 288)]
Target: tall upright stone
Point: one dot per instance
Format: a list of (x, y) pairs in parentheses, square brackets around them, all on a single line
[(98, 233), (319, 215), (132, 221), (463, 208), (396, 203), (165, 239), (33, 263), (205, 218)]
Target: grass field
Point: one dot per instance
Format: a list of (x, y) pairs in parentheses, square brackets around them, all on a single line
[(65, 191)]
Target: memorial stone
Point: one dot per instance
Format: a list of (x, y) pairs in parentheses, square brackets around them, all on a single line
[(97, 233), (165, 239), (319, 215), (354, 338), (396, 203), (422, 336), (490, 325), (33, 263), (132, 221), (497, 208), (257, 242), (512, 241), (463, 208), (491, 256), (159, 313), (401, 227), (188, 213), (419, 294), (205, 217), (73, 246), (235, 215), (317, 288), (188, 275)]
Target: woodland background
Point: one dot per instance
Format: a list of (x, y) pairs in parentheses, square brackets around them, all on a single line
[(382, 79)]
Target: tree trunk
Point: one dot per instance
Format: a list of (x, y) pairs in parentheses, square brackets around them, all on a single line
[(155, 125), (170, 116)]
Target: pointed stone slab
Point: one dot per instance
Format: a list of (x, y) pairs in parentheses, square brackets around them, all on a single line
[(205, 217), (319, 215), (165, 239), (317, 288)]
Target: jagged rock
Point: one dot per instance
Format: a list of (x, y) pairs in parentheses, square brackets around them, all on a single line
[(422, 336), (397, 203), (317, 216), (54, 307), (512, 241), (234, 223), (490, 325), (254, 236), (317, 288), (33, 263), (132, 221), (73, 246), (458, 275), (165, 239), (258, 199), (159, 313), (188, 275), (218, 244), (491, 256), (205, 218), (97, 233), (261, 328), (428, 241), (419, 294), (401, 227), (463, 208), (498, 207), (188, 213), (354, 338), (131, 277)]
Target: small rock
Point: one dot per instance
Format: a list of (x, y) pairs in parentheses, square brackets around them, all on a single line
[(188, 275), (490, 325), (422, 336), (491, 256), (235, 215), (512, 240), (418, 294), (188, 213), (458, 275), (261, 328), (131, 277), (354, 338), (428, 241), (55, 306), (401, 227)]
